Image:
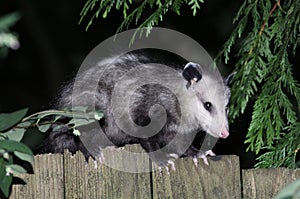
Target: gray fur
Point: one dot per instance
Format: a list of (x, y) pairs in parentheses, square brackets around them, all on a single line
[(184, 107)]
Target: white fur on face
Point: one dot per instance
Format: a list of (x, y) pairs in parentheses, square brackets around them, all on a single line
[(214, 91)]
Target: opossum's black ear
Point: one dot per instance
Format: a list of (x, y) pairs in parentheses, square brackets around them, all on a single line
[(229, 78), (191, 73)]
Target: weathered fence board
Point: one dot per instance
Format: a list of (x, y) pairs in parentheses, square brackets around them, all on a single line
[(47, 182), (70, 177), (221, 179), (266, 183), (90, 181)]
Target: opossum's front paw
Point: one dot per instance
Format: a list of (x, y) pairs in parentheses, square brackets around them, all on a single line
[(166, 162), (203, 155), (166, 167)]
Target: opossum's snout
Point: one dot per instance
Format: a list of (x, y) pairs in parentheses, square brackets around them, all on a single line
[(224, 134)]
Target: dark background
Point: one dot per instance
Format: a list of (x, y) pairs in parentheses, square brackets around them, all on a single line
[(53, 46)]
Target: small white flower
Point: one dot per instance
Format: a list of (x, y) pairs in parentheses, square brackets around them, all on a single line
[(76, 132), (9, 40)]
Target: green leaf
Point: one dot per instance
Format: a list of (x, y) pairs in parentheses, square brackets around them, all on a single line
[(24, 124), (7, 120), (5, 181), (24, 156), (6, 156), (80, 122), (290, 191), (15, 134), (59, 127), (57, 117), (13, 146), (43, 128), (98, 115), (15, 169), (9, 20)]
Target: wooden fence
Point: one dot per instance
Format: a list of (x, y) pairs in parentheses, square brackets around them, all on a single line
[(70, 177)]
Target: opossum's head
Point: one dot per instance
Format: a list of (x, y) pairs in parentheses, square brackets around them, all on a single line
[(210, 99)]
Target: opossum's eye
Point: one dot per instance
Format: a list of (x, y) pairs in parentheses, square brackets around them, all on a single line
[(207, 106)]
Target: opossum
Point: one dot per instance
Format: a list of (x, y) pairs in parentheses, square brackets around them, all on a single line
[(166, 106)]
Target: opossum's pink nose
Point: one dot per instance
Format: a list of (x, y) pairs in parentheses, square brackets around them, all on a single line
[(224, 133)]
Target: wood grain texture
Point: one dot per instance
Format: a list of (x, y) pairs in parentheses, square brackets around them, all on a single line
[(125, 174), (46, 182), (89, 181), (266, 183), (221, 179)]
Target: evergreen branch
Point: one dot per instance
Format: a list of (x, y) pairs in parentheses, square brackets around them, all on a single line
[(284, 154), (282, 108), (176, 5), (152, 20), (264, 61), (136, 13), (251, 71), (89, 5), (240, 12), (237, 32), (195, 5), (162, 8), (270, 14)]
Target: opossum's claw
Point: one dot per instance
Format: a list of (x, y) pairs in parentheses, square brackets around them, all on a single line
[(166, 167), (167, 170), (195, 160), (210, 152), (213, 157), (98, 159), (95, 164), (174, 155), (160, 170), (204, 158), (170, 162)]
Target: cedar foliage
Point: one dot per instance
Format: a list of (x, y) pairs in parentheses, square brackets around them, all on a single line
[(265, 78)]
